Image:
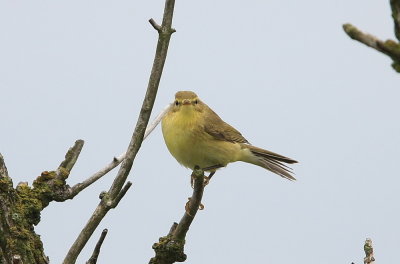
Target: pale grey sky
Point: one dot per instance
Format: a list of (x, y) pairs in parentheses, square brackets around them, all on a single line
[(282, 72)]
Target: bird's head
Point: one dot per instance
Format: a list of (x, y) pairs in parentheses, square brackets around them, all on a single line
[(187, 102)]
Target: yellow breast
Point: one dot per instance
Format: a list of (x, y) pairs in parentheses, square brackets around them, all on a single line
[(187, 141)]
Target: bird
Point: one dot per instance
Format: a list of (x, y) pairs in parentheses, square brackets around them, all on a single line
[(196, 136)]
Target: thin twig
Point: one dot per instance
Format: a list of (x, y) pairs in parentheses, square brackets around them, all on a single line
[(121, 194), (156, 120), (155, 25), (136, 139), (388, 47), (77, 188), (367, 39), (96, 251), (147, 106)]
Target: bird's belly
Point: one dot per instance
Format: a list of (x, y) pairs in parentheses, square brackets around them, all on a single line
[(192, 147)]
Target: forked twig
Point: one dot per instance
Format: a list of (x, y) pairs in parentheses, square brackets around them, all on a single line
[(117, 190)]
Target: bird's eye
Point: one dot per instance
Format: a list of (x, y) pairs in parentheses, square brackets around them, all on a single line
[(176, 103), (196, 101)]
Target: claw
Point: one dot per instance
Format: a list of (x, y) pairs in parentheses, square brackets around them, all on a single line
[(208, 178), (206, 181), (192, 181), (201, 206), (187, 207)]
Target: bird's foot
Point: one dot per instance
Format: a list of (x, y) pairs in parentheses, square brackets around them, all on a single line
[(213, 170), (192, 178), (201, 207), (208, 178)]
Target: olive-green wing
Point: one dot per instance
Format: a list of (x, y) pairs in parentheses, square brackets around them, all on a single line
[(220, 130)]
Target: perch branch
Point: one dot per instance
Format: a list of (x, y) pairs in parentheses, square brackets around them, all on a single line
[(116, 189), (96, 251), (170, 249), (192, 206)]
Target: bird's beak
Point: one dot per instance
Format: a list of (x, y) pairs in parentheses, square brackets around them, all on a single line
[(186, 102)]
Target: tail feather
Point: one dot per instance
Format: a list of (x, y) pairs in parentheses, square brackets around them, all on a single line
[(270, 155), (271, 161), (277, 168)]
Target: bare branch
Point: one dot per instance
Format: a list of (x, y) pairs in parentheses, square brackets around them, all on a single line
[(166, 25), (72, 156), (362, 37), (96, 251), (115, 192), (77, 188), (156, 121), (81, 186), (155, 25), (170, 249), (388, 47), (121, 194)]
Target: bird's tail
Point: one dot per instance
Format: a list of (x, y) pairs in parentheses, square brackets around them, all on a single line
[(269, 160)]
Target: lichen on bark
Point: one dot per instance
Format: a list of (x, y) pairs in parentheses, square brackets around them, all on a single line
[(20, 213)]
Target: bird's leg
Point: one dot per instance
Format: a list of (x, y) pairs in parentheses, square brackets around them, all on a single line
[(213, 170), (208, 178), (201, 206)]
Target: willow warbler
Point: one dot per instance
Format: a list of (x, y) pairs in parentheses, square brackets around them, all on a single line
[(196, 135)]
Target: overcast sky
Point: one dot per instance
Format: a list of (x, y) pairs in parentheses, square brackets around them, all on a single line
[(282, 72)]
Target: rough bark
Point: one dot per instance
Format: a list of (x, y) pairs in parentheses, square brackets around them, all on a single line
[(21, 208)]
